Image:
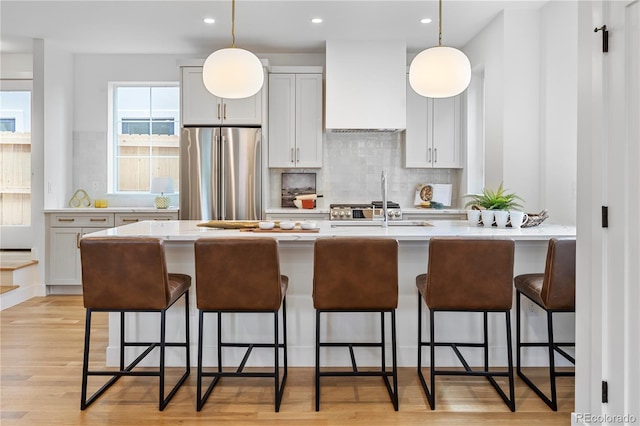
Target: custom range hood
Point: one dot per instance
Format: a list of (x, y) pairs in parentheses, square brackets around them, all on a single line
[(365, 86)]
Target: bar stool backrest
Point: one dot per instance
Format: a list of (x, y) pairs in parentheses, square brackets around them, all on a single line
[(124, 273), (355, 273), (559, 284), (470, 274), (238, 274)]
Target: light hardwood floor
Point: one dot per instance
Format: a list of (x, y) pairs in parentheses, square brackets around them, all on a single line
[(41, 363)]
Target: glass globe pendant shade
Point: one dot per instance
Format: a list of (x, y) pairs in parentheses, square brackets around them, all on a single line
[(233, 73), (440, 72)]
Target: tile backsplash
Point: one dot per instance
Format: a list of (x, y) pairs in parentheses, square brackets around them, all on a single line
[(352, 165)]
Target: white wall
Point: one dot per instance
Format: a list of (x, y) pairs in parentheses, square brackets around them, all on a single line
[(529, 62), (93, 74), (521, 123), (558, 110), (58, 124), (485, 52), (16, 65)]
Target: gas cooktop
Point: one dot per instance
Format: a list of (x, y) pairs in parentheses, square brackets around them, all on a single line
[(348, 211)]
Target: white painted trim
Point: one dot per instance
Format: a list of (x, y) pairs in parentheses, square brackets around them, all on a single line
[(285, 69)]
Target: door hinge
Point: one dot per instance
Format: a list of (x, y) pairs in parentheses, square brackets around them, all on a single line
[(605, 216), (605, 37), (605, 392)]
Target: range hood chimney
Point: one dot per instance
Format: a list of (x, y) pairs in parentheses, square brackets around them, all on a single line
[(365, 86)]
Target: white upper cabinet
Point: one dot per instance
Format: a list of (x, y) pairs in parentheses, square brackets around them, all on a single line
[(433, 135), (295, 120), (201, 108)]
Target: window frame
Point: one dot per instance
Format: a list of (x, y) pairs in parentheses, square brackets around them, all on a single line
[(112, 131)]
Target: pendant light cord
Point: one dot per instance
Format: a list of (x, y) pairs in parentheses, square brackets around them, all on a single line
[(440, 23), (233, 23)]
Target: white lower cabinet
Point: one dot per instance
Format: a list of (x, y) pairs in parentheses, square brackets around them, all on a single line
[(64, 255), (65, 231)]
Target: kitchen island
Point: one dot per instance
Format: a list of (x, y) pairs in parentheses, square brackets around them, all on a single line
[(296, 259)]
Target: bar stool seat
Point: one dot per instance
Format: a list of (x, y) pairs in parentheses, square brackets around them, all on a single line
[(130, 275), (467, 275), (240, 275), (554, 292), (357, 275)]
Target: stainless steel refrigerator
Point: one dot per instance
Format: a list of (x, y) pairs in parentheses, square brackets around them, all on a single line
[(220, 173)]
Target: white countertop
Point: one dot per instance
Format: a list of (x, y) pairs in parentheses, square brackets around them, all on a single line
[(187, 230), (111, 210)]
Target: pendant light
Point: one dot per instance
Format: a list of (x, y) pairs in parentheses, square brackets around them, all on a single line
[(232, 72), (440, 71)]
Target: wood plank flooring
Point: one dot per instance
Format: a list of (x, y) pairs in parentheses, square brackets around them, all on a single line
[(41, 363)]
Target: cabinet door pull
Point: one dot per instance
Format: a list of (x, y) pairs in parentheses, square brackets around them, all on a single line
[(218, 111), (65, 220), (435, 155), (297, 155), (429, 155), (93, 219), (77, 240), (224, 111), (292, 156)]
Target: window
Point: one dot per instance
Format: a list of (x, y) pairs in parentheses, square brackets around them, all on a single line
[(7, 124), (15, 154), (146, 126)]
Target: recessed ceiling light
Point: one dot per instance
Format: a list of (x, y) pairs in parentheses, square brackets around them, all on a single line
[(316, 20), (209, 21), (425, 21)]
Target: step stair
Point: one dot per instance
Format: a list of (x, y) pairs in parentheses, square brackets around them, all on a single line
[(18, 277)]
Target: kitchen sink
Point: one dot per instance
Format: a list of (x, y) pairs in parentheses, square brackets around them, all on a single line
[(378, 223)]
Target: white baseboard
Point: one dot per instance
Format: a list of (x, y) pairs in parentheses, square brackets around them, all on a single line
[(19, 295)]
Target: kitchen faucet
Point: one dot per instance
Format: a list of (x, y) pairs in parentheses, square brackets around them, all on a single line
[(385, 219)]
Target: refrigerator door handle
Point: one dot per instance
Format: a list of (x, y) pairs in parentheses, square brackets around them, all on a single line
[(223, 194)]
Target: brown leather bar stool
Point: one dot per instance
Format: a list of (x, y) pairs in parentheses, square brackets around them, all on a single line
[(553, 291), (130, 275), (357, 275), (239, 275), (467, 275)]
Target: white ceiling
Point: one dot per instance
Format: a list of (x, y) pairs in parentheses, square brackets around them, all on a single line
[(263, 26)]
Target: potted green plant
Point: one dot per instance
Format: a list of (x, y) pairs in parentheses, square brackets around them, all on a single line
[(494, 205), (495, 200)]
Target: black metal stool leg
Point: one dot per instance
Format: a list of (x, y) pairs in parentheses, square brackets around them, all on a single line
[(85, 361), (317, 360), (394, 360), (163, 330), (512, 399), (199, 401), (432, 351), (552, 364)]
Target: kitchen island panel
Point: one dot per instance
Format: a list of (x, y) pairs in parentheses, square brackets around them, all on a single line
[(296, 258)]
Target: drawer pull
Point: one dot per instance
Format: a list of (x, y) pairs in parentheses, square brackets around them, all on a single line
[(162, 218), (129, 220), (104, 219), (65, 220)]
